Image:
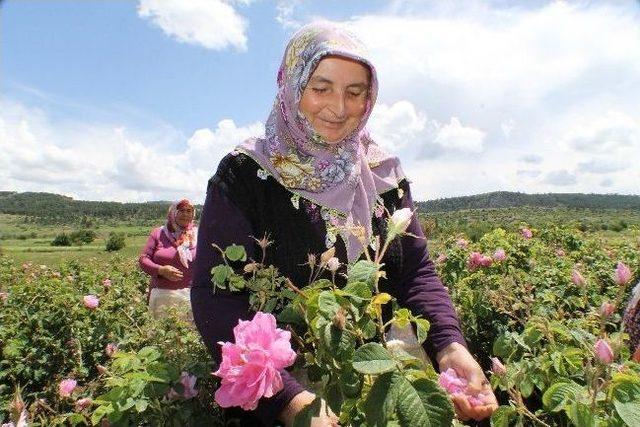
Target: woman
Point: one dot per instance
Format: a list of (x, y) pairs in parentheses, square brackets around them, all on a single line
[(167, 258), (315, 175)]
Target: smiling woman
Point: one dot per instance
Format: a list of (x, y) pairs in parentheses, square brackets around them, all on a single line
[(317, 182), (167, 257)]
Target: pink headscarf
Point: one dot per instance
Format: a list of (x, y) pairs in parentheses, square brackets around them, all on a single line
[(345, 179), (183, 238)]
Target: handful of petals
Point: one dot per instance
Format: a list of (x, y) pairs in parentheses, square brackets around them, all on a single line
[(455, 385)]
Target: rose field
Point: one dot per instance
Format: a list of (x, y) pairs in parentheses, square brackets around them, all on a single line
[(540, 295)]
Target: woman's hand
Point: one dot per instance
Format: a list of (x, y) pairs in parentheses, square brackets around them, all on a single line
[(457, 357), (169, 272), (326, 418)]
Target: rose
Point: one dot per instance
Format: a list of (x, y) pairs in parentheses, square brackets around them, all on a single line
[(603, 351), (577, 278), (250, 366), (110, 349), (607, 309), (455, 385), (623, 274), (83, 403), (399, 222), (499, 255), (91, 301), (526, 233), (106, 283), (66, 387), (333, 264)]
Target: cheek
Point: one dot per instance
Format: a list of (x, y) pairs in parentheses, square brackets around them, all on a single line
[(310, 105)]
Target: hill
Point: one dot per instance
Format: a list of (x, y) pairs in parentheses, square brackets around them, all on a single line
[(54, 208), (506, 199)]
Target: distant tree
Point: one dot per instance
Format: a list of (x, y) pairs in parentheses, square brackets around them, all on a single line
[(61, 239), (115, 242)]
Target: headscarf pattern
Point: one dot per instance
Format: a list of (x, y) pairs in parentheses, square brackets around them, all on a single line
[(345, 178), (183, 238)]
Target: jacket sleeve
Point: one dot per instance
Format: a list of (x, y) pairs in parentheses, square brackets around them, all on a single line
[(216, 314), (420, 289), (146, 255)]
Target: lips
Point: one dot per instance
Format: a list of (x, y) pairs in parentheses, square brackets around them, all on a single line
[(332, 124)]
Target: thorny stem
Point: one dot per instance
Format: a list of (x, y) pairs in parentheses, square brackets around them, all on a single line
[(294, 288), (521, 408)]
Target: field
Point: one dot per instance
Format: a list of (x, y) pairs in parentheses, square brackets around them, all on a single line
[(529, 309)]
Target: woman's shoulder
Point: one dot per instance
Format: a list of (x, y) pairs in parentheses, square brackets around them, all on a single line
[(157, 232)]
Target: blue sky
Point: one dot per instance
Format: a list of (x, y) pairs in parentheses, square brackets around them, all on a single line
[(139, 100)]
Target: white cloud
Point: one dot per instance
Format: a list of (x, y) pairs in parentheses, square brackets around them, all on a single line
[(214, 24), (106, 162), (398, 125), (455, 136)]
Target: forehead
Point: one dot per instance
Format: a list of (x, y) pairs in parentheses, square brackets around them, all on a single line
[(341, 70)]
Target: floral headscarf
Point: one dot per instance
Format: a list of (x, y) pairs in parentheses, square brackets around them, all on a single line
[(183, 238), (342, 179)]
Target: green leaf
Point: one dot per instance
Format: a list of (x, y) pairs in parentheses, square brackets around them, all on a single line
[(556, 396), (290, 315), (220, 274), (422, 329), (327, 304), (100, 412), (141, 405), (380, 401), (339, 342), (359, 291), (363, 271), (581, 416), (372, 358), (235, 253), (526, 387), (435, 401), (629, 412), (502, 416), (402, 317)]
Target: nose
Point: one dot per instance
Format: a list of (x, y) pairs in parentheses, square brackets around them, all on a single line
[(337, 104)]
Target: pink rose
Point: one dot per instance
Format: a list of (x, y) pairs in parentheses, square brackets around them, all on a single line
[(66, 387), (497, 367), (455, 385), (603, 351), (486, 261), (577, 278), (110, 349), (106, 283), (474, 261), (462, 243), (526, 233), (188, 383), (560, 253), (607, 309), (250, 366), (91, 301), (499, 255), (623, 274), (83, 403), (441, 258)]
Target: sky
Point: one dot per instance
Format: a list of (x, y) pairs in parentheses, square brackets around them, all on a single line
[(138, 100)]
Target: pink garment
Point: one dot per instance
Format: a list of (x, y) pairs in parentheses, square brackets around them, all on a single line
[(159, 250)]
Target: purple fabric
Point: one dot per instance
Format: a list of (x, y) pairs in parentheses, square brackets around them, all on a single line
[(418, 289), (158, 251), (344, 176)]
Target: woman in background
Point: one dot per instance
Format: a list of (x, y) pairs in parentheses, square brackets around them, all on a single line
[(167, 258)]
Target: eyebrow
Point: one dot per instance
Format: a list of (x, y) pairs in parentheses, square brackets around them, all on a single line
[(320, 79)]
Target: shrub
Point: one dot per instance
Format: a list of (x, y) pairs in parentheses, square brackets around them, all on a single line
[(83, 236), (61, 239), (115, 242)]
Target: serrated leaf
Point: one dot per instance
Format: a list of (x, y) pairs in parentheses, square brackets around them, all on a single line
[(580, 414), (362, 271), (629, 412), (235, 253), (502, 416), (327, 304), (556, 396), (380, 401), (435, 401), (422, 329), (220, 273), (372, 358)]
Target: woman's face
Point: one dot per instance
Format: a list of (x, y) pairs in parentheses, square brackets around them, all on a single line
[(184, 216), (335, 98)]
